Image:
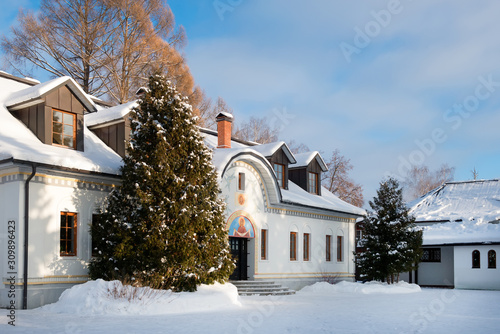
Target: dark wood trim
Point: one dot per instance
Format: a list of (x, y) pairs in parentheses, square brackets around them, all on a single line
[(340, 248), (315, 180), (293, 246), (485, 243), (241, 181), (74, 231), (307, 247), (282, 178), (74, 125), (61, 168), (263, 244), (328, 248)]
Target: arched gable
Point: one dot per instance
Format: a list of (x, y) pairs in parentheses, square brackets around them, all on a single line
[(261, 169)]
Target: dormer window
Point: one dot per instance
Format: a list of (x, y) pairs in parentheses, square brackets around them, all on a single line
[(54, 112), (313, 183), (279, 169), (306, 173), (63, 128)]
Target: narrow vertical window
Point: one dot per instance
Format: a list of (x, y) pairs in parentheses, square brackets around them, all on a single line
[(328, 248), (492, 259), (340, 240), (307, 246), (241, 181), (63, 129), (293, 246), (313, 183), (263, 244), (68, 234), (476, 260), (279, 169)]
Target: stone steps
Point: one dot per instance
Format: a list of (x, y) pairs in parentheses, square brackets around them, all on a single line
[(261, 288)]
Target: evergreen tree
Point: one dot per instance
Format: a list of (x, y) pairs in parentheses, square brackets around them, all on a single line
[(164, 226), (391, 239)]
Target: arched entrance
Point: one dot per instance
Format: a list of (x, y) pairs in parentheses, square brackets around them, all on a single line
[(241, 230)]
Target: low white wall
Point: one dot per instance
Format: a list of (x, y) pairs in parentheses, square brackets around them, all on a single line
[(478, 278), (438, 273), (51, 192)]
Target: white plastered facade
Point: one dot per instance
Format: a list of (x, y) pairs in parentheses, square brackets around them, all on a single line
[(262, 205), (51, 192)]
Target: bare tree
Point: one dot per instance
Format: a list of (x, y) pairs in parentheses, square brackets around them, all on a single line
[(475, 173), (420, 180), (208, 110), (144, 40), (257, 130), (297, 147), (337, 180), (65, 38), (109, 46)]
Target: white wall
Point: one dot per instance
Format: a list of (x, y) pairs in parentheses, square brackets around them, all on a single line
[(50, 194), (10, 196), (482, 278), (438, 273), (278, 266)]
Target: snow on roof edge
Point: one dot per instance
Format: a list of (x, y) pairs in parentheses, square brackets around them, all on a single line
[(38, 90)]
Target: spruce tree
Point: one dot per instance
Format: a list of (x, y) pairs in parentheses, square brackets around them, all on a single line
[(164, 226), (391, 239)]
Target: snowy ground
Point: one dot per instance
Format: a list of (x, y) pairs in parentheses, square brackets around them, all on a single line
[(322, 308)]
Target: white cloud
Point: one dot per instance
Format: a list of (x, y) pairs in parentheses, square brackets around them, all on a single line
[(395, 92)]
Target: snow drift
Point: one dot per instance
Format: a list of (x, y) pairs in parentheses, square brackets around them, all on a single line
[(101, 297)]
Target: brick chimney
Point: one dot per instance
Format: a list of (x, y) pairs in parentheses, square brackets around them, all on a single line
[(224, 121)]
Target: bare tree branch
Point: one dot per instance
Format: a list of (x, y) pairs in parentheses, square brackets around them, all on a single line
[(337, 180), (420, 180)]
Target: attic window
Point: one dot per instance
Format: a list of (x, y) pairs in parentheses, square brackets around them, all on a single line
[(279, 169), (63, 129), (313, 183)]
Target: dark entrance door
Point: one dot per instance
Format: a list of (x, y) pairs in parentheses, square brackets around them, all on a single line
[(239, 253)]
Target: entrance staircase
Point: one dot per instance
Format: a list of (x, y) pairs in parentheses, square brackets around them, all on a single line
[(261, 288)]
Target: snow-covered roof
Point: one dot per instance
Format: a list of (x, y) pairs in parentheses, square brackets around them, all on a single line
[(31, 95), (304, 159), (268, 150), (469, 200), (461, 233), (469, 212), (294, 194), (225, 114), (327, 200), (19, 142), (211, 140), (107, 115)]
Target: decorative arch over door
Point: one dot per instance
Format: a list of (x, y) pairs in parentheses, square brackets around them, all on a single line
[(241, 225)]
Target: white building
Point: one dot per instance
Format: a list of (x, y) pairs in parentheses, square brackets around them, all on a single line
[(54, 173), (60, 154), (461, 235)]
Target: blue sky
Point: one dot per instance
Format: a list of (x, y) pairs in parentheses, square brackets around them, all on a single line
[(387, 82)]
